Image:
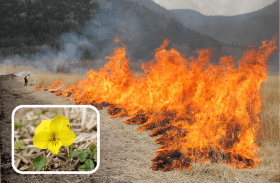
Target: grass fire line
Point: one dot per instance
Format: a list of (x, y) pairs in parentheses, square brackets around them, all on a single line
[(200, 112)]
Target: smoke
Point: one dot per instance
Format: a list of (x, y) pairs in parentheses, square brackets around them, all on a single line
[(86, 49), (107, 25)]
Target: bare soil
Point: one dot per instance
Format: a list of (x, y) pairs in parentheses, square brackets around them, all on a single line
[(125, 153)]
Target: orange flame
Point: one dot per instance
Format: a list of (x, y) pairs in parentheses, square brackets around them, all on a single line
[(198, 110), (39, 87), (54, 85)]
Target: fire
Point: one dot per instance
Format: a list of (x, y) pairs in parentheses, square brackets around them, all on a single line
[(199, 111), (39, 87), (54, 85)]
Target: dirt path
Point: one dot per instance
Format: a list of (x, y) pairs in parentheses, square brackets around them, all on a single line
[(125, 153)]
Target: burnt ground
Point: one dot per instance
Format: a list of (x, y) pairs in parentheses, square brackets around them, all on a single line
[(125, 154)]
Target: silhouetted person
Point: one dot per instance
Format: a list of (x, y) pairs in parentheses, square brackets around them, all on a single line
[(26, 80)]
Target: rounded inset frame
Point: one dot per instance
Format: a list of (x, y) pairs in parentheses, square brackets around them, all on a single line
[(55, 139)]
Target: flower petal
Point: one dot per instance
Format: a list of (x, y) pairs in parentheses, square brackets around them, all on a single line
[(59, 124), (43, 126), (54, 146), (41, 139), (67, 137)]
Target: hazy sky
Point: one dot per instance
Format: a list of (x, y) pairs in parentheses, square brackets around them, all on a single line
[(216, 7)]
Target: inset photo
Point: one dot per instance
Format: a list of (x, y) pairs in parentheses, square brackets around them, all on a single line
[(55, 139)]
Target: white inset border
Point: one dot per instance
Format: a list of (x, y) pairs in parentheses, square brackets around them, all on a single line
[(57, 172)]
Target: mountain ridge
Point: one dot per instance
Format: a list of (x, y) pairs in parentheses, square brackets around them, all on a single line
[(246, 28)]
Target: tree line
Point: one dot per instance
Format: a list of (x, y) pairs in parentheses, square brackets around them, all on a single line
[(28, 23)]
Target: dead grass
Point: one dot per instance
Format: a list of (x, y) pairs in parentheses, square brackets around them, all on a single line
[(6, 69), (38, 77), (269, 168), (270, 109), (270, 141), (83, 123), (47, 78)]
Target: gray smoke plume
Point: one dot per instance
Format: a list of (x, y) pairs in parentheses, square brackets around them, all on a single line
[(95, 40)]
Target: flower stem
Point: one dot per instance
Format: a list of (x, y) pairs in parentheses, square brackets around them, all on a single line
[(71, 148), (66, 150)]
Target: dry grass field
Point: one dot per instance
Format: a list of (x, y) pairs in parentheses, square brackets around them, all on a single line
[(6, 69), (46, 79), (41, 78), (270, 109), (270, 141), (269, 167)]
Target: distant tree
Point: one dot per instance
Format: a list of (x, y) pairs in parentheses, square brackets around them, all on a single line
[(37, 23)]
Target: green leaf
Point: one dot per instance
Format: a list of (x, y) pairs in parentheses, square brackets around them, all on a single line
[(56, 113), (95, 157), (81, 155), (38, 114), (94, 151), (18, 125), (18, 145), (71, 148), (33, 122), (87, 151), (92, 147), (39, 162), (91, 154), (75, 153), (88, 166), (25, 148)]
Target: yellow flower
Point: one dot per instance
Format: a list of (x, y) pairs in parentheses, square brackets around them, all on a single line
[(52, 134)]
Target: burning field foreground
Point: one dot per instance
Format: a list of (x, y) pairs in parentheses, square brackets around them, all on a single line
[(199, 111)]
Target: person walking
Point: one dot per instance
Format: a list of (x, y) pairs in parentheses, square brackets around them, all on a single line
[(26, 80)]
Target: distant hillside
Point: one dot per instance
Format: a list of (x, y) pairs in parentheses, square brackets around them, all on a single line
[(236, 31), (143, 30), (151, 5), (26, 24), (242, 29), (33, 23)]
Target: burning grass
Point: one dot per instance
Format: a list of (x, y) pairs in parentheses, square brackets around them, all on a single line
[(46, 80), (199, 111)]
